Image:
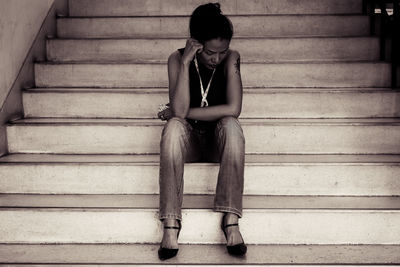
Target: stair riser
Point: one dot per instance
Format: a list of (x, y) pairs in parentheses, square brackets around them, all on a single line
[(274, 138), (85, 8), (251, 50), (273, 104), (167, 27), (253, 75), (200, 226), (270, 179)]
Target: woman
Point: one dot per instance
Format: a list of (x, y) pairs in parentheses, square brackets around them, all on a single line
[(205, 93)]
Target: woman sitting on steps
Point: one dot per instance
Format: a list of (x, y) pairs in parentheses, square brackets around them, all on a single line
[(205, 93)]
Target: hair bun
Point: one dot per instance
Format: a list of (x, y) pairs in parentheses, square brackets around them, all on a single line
[(210, 9), (217, 7)]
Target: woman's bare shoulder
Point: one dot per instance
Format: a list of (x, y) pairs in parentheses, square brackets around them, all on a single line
[(233, 55), (175, 56), (232, 60)]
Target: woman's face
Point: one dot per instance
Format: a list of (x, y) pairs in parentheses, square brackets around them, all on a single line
[(214, 51)]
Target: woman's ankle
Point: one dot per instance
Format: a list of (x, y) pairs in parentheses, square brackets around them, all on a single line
[(230, 218), (171, 223)]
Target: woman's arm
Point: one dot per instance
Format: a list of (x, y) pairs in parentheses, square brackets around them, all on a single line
[(178, 75), (234, 95)]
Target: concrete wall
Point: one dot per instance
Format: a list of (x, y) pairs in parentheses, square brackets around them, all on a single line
[(23, 30), (20, 22)]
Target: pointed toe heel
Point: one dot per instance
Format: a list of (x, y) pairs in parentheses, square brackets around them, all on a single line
[(167, 253), (235, 250)]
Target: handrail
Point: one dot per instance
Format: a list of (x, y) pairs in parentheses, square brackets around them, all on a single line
[(389, 28)]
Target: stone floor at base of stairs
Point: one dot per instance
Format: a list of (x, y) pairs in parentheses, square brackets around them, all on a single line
[(198, 254)]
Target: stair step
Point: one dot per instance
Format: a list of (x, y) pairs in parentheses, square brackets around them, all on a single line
[(271, 175), (41, 225), (257, 103), (249, 26), (197, 202), (251, 50), (330, 74), (208, 255), (86, 8), (132, 136)]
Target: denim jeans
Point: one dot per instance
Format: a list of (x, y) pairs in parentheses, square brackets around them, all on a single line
[(181, 143)]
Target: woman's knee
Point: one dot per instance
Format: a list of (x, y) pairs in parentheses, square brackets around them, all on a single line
[(175, 128), (230, 128)]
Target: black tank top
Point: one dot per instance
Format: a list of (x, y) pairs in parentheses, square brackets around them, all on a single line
[(216, 94)]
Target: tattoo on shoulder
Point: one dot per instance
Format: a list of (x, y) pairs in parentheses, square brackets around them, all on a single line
[(237, 66)]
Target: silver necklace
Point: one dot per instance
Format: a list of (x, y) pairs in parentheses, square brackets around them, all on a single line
[(204, 102)]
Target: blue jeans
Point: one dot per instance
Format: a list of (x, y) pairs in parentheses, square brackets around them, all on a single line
[(181, 143)]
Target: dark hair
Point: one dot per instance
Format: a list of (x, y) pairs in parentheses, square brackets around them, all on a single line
[(207, 22)]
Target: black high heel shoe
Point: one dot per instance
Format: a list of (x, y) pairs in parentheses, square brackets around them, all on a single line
[(235, 250), (167, 253)]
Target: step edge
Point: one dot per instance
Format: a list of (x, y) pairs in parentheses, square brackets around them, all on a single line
[(140, 202)]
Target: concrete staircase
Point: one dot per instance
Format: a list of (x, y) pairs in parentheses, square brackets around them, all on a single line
[(322, 127)]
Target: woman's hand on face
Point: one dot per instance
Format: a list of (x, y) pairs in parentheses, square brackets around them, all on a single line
[(192, 47)]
